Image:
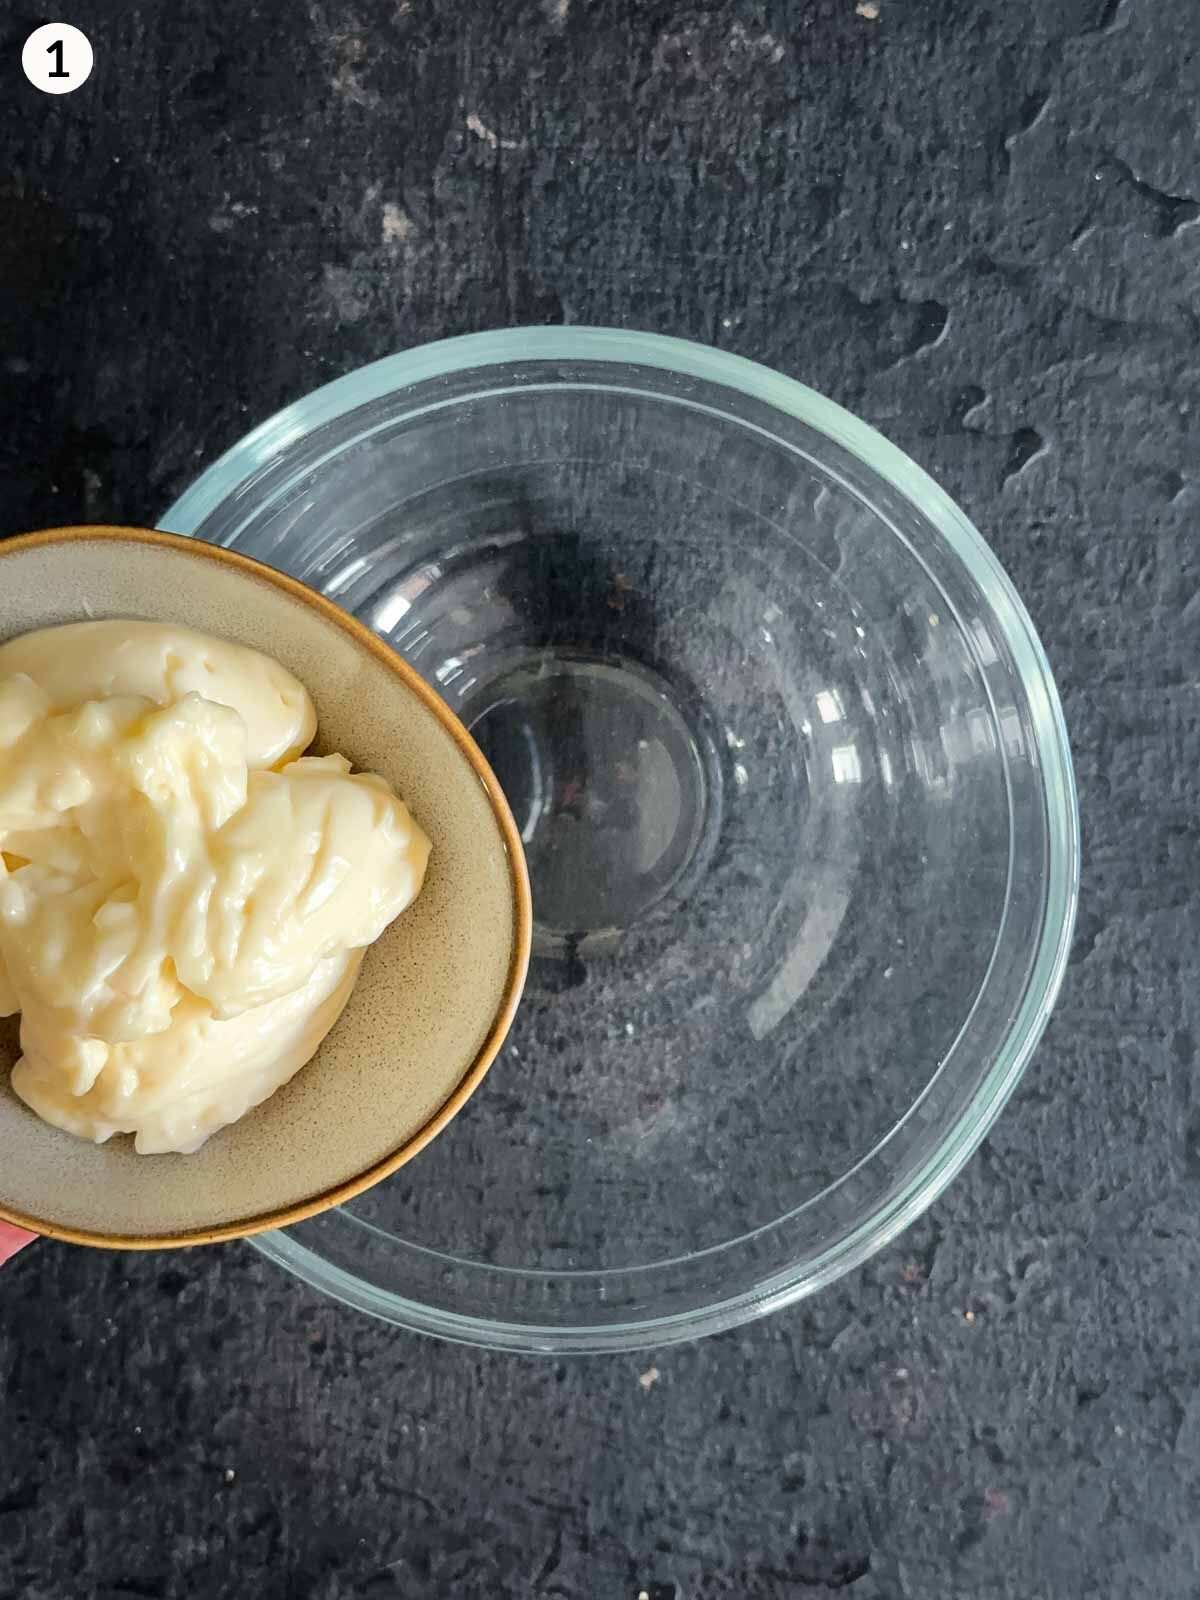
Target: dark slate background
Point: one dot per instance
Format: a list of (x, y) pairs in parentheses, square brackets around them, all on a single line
[(974, 223)]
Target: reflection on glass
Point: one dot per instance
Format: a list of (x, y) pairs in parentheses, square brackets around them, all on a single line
[(983, 739), (829, 706), (342, 579), (393, 610), (1012, 730), (846, 766), (983, 642)]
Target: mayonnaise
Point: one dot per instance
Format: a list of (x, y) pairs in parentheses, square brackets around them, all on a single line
[(183, 905), (156, 661)]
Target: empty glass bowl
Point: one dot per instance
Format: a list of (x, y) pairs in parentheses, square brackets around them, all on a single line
[(795, 791)]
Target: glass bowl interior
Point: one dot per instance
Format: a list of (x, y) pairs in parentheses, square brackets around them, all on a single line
[(795, 794)]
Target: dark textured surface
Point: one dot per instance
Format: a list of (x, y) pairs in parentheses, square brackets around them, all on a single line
[(975, 224)]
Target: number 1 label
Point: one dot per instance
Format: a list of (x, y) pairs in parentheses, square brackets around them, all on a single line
[(57, 58)]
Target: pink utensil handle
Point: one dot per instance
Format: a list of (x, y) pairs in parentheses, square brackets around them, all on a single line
[(13, 1239)]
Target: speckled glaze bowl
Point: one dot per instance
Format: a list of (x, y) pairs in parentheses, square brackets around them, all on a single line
[(794, 788), (437, 991)]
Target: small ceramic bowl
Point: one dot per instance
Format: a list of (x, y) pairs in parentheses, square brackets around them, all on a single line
[(437, 992)]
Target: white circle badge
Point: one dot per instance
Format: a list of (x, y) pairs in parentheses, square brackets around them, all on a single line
[(57, 58)]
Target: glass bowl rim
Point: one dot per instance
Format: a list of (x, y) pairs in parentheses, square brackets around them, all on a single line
[(580, 345)]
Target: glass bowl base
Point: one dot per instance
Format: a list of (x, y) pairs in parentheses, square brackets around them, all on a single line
[(614, 781)]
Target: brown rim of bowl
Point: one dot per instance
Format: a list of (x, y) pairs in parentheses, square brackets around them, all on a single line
[(522, 900)]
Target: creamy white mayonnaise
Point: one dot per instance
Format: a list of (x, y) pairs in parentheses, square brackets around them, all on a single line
[(183, 904)]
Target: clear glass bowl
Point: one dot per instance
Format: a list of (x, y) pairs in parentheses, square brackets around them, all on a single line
[(797, 799)]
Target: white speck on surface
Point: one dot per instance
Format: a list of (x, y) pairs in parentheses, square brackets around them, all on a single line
[(230, 1474), (740, 776), (629, 1029), (489, 135), (351, 51), (764, 45), (727, 322), (868, 9), (557, 12), (649, 1378), (344, 295), (396, 225)]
